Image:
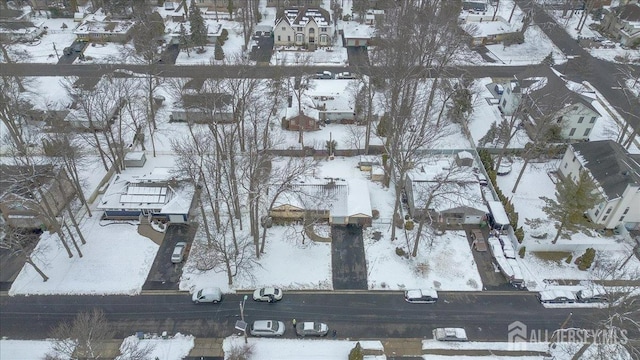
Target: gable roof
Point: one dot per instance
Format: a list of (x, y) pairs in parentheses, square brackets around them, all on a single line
[(302, 16), (551, 93), (629, 12), (609, 164), (341, 197)]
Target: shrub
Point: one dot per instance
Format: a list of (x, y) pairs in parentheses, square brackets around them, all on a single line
[(519, 233), (408, 225), (400, 252), (522, 251), (356, 353), (568, 259), (587, 259), (219, 55), (375, 214)]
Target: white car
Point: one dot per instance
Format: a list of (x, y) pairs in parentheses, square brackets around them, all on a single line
[(267, 294), (267, 328), (421, 296), (346, 75), (178, 252), (208, 294), (450, 334)]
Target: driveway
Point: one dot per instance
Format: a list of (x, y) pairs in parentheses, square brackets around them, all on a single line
[(348, 262), (491, 279), (262, 51), (77, 48), (163, 274), (358, 57), (170, 54)]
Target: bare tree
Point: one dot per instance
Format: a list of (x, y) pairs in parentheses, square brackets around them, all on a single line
[(281, 178), (13, 111), (22, 244), (448, 187), (80, 338)]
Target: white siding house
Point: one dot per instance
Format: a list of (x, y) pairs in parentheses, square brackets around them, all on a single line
[(546, 96), (617, 176), (303, 27)]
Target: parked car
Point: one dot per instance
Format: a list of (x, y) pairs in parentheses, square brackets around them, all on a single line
[(178, 252), (556, 297), (592, 295), (346, 75), (207, 294), (450, 334), (67, 51), (421, 296), (324, 75), (310, 328), (267, 294), (479, 242), (499, 89), (267, 328)]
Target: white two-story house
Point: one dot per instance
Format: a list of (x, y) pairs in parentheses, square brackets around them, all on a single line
[(547, 96), (309, 27), (617, 177)]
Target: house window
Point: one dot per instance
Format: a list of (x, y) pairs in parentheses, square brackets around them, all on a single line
[(581, 119), (299, 28), (289, 38), (574, 158), (604, 218), (621, 218), (575, 107), (559, 119), (284, 28), (609, 211), (299, 38), (565, 165), (323, 29), (626, 211), (586, 132), (573, 131), (597, 212), (278, 37), (593, 119), (504, 102)]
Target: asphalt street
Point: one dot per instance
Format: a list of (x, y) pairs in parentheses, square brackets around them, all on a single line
[(485, 316)]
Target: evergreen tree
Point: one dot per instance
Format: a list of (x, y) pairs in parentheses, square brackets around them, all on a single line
[(490, 137), (198, 28), (219, 53), (230, 9), (185, 41), (573, 199)]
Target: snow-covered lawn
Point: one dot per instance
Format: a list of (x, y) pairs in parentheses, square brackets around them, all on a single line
[(116, 261), (43, 50), (444, 262), (535, 48), (24, 349), (537, 182), (292, 349), (176, 347)]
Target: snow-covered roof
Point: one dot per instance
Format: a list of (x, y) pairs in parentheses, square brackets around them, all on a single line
[(302, 16), (498, 212), (341, 197), (332, 95), (456, 188), (136, 190), (355, 30), (98, 24)]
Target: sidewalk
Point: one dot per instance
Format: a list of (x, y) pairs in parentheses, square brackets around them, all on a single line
[(570, 282)]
